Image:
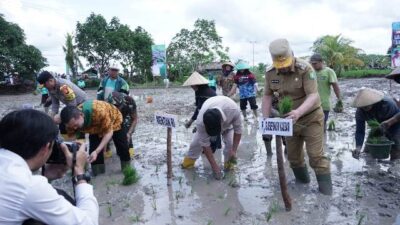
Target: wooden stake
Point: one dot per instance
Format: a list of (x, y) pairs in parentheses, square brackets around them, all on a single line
[(282, 175), (169, 156)]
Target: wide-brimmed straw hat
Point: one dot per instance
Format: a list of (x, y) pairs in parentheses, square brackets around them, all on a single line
[(366, 97), (195, 79), (394, 74)]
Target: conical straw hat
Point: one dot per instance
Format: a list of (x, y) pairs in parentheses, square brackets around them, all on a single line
[(195, 79), (366, 97), (395, 73)]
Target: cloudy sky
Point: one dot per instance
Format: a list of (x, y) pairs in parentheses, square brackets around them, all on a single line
[(239, 22)]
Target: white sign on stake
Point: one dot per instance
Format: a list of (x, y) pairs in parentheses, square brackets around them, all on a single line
[(276, 126), (164, 119)]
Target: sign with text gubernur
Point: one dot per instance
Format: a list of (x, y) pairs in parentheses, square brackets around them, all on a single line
[(165, 119), (276, 126)]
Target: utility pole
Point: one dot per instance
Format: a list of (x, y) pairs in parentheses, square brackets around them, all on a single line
[(253, 42)]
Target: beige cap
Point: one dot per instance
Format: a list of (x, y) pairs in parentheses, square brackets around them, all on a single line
[(366, 97), (228, 64), (113, 66), (281, 53), (195, 79)]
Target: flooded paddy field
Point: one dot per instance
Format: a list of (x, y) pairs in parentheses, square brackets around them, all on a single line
[(364, 190)]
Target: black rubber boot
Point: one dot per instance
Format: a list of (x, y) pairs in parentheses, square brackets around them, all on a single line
[(98, 169), (325, 183), (301, 174)]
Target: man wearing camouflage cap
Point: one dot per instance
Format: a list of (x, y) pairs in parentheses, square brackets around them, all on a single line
[(295, 78)]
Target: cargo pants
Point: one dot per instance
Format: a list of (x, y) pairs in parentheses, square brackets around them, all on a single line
[(309, 129)]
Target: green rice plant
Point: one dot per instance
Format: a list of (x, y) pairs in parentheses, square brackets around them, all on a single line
[(130, 176), (285, 105), (210, 222), (360, 217), (227, 211), (358, 191), (331, 125), (109, 209), (373, 123), (271, 211), (154, 204)]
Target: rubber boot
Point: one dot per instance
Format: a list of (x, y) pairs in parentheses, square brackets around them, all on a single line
[(108, 153), (132, 152), (98, 169), (255, 114), (244, 115), (301, 174), (125, 164), (188, 163), (325, 183)]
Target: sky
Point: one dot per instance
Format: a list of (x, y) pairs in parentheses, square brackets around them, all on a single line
[(240, 23)]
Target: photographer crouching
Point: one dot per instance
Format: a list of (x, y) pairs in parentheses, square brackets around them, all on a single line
[(27, 138)]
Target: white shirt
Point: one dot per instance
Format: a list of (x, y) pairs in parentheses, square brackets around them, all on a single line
[(231, 117), (24, 196)]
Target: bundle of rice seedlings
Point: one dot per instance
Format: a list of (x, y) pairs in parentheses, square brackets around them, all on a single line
[(130, 176), (285, 105)]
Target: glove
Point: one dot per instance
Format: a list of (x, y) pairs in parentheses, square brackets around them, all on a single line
[(267, 137)]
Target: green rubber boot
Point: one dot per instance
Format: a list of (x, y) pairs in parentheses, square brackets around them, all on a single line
[(301, 174), (325, 183), (125, 164), (98, 169)]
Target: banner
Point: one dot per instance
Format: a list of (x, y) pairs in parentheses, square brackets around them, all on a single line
[(395, 54), (159, 55)]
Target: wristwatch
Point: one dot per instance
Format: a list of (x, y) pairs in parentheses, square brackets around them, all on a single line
[(79, 177)]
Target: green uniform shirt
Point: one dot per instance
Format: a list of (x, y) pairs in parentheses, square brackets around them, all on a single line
[(325, 78)]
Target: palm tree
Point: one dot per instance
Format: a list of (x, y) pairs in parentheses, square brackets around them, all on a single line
[(71, 57), (337, 52)]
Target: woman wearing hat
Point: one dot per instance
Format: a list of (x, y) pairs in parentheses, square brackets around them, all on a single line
[(245, 81), (372, 104), (227, 79), (202, 92)]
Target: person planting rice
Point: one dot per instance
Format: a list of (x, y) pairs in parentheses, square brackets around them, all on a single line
[(371, 104)]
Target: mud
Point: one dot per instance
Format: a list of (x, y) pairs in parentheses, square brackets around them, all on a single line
[(365, 190)]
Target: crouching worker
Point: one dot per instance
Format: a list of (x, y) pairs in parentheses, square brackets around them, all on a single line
[(219, 116), (371, 104), (127, 106), (27, 138), (102, 121)]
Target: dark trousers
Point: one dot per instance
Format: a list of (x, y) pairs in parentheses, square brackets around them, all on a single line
[(121, 144), (252, 102)]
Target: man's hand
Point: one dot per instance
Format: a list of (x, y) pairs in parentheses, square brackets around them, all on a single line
[(232, 154), (81, 158), (57, 119), (294, 115), (93, 156), (384, 126)]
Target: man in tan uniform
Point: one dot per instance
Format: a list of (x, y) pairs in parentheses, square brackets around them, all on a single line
[(295, 78)]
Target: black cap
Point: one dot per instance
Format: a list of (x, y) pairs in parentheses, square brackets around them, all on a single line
[(212, 121), (316, 58), (44, 77)]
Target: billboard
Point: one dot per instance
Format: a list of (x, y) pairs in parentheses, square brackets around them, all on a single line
[(159, 56), (395, 54)]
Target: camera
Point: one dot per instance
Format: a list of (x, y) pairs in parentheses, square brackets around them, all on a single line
[(57, 155)]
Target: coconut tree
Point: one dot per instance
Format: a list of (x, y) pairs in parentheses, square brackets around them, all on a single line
[(71, 56), (337, 52)]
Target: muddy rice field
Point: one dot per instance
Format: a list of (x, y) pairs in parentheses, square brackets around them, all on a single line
[(365, 191)]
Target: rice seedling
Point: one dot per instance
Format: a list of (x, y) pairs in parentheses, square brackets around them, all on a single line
[(130, 176), (227, 210), (285, 105)]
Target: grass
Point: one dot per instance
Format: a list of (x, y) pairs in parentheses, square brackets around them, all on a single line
[(227, 211), (271, 211), (130, 176), (154, 204), (358, 191), (285, 105), (364, 73), (109, 210), (360, 217), (331, 125)]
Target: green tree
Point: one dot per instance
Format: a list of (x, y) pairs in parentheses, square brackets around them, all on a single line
[(15, 54), (71, 57), (98, 40), (189, 49), (374, 61), (337, 52), (135, 51)]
